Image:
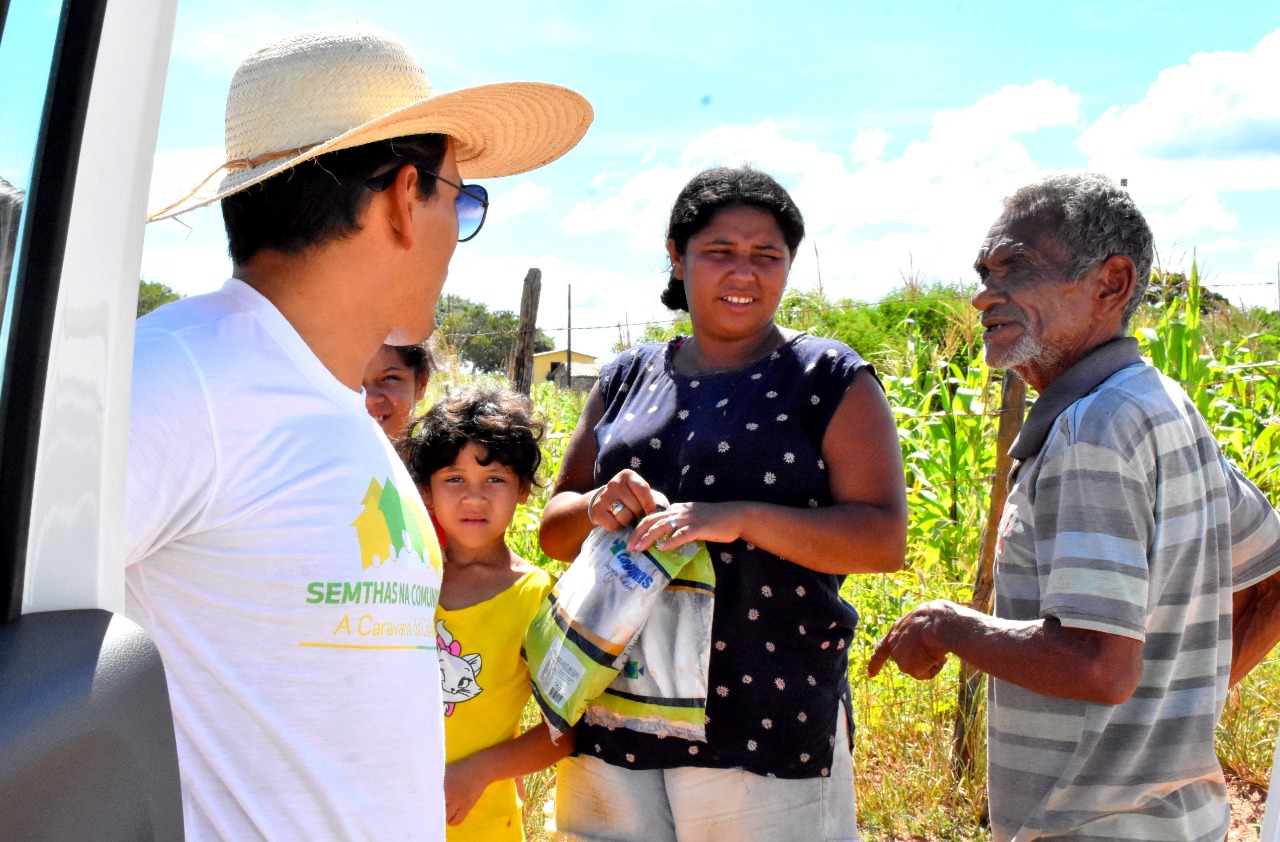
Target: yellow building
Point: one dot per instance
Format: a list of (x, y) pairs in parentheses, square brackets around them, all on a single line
[(543, 363)]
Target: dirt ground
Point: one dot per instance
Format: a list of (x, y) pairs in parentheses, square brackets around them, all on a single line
[(1247, 803)]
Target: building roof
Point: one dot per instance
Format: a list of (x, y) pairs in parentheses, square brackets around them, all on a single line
[(562, 352)]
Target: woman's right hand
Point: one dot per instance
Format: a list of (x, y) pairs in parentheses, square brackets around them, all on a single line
[(577, 505), (623, 500)]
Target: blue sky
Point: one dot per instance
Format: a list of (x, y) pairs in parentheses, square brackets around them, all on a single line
[(897, 127)]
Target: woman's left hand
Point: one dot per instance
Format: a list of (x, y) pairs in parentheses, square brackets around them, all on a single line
[(681, 523)]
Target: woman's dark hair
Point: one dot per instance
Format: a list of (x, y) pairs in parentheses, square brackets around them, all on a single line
[(321, 199), (713, 190), (416, 357), (496, 418)]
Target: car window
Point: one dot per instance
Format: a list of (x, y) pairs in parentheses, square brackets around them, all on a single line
[(27, 35)]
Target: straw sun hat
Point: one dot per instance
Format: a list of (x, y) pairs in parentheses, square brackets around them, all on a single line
[(336, 87)]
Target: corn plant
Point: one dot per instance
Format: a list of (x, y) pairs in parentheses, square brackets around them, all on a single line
[(945, 402)]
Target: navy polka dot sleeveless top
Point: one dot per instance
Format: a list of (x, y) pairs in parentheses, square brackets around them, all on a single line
[(780, 633)]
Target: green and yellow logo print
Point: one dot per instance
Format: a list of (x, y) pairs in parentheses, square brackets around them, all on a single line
[(387, 526), (386, 610)]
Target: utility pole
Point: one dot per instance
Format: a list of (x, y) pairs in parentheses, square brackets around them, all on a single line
[(568, 342)]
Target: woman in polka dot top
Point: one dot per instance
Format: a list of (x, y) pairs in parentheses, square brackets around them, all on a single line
[(779, 450)]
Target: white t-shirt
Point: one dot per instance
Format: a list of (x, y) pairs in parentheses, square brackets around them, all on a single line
[(280, 557)]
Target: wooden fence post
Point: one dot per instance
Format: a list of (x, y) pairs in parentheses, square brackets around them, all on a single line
[(1013, 404), (522, 360)]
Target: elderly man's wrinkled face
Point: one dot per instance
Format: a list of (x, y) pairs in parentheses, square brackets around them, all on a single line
[(1034, 316)]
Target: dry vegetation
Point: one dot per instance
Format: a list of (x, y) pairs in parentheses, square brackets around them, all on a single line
[(945, 401)]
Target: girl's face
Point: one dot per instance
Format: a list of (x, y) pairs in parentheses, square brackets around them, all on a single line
[(735, 271), (391, 390), (474, 503)]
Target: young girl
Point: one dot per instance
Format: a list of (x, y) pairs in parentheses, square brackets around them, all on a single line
[(474, 459)]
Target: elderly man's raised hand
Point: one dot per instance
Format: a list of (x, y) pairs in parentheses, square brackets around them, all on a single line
[(913, 643)]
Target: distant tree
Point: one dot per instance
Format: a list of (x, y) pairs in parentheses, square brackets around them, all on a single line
[(664, 330), (1168, 287), (485, 339), (152, 294), (934, 312)]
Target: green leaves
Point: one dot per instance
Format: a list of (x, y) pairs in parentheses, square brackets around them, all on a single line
[(945, 400), (483, 338), (152, 294)]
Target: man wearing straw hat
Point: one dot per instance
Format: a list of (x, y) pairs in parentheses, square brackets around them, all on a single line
[(277, 551), (1136, 569)]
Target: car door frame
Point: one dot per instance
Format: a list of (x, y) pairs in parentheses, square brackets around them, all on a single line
[(87, 745)]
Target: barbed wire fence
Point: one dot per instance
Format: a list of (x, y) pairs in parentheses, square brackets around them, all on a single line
[(790, 312)]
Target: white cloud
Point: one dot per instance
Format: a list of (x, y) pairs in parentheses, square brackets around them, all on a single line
[(190, 254), (522, 199), (1015, 109), (1210, 125), (936, 199), (970, 159), (638, 207), (177, 172), (1220, 104), (868, 145), (867, 269), (1198, 213), (876, 210), (1244, 289), (1268, 259), (1226, 243)]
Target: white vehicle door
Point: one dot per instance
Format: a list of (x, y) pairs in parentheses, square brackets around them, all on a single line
[(86, 736)]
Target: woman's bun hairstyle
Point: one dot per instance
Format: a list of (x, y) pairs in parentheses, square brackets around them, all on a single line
[(673, 297)]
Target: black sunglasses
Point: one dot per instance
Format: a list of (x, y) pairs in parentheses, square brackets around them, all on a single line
[(472, 202)]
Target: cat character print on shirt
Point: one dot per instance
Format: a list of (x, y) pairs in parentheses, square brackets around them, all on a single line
[(458, 672)]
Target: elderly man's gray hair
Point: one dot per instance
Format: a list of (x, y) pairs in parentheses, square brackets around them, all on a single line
[(1093, 219)]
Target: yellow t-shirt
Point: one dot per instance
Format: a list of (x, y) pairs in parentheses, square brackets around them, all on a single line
[(486, 684)]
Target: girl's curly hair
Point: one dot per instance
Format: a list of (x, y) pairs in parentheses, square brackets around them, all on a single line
[(496, 418)]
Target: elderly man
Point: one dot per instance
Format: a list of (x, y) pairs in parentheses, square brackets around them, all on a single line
[(1124, 542), (278, 552)]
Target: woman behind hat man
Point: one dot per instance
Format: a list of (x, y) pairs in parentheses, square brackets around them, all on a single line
[(277, 551), (779, 450), (394, 382)]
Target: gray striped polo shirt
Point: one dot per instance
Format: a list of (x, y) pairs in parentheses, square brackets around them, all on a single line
[(1123, 517)]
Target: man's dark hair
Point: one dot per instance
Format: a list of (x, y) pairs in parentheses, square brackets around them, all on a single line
[(1093, 220), (713, 190), (321, 199), (496, 418)]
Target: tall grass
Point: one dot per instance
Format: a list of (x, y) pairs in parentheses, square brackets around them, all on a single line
[(945, 401)]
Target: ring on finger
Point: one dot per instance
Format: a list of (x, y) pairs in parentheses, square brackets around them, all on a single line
[(616, 507), (671, 522)]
